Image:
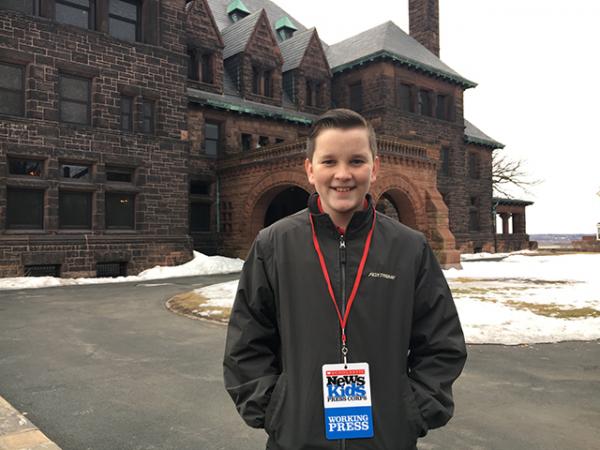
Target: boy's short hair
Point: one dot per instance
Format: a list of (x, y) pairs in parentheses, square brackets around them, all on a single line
[(345, 119)]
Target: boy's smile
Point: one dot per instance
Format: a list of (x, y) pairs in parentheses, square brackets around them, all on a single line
[(342, 170)]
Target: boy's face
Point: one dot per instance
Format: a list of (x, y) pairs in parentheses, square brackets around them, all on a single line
[(342, 170)]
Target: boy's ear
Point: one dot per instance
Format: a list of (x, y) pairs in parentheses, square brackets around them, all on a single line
[(375, 171), (309, 171)]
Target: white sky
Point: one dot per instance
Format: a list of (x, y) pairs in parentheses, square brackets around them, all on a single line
[(537, 68)]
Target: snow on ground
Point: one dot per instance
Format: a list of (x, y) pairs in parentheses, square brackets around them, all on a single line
[(521, 299), (199, 265)]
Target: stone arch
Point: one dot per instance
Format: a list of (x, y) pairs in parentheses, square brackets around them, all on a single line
[(262, 194), (405, 199)]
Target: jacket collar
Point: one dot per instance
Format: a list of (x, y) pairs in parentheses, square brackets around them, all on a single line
[(359, 224)]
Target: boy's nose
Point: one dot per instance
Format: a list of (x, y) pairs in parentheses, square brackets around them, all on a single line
[(343, 172)]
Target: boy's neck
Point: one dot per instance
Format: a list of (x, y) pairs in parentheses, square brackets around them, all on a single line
[(341, 221)]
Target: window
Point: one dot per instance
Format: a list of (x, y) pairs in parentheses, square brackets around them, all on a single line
[(405, 97), (211, 138), (75, 12), (424, 103), (25, 6), (119, 174), (246, 142), (120, 211), (356, 97), (74, 95), (147, 116), (126, 113), (474, 214), (75, 172), (42, 270), (28, 167), (193, 64), (124, 19), (206, 68), (441, 109), (263, 141), (279, 141), (309, 93), (75, 210), (473, 165), (199, 216), (199, 188), (255, 80), (25, 209), (111, 269), (268, 83), (445, 161), (12, 99)]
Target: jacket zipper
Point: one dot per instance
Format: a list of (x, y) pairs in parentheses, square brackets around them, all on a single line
[(343, 290)]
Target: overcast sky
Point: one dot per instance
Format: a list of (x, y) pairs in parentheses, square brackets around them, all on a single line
[(536, 64)]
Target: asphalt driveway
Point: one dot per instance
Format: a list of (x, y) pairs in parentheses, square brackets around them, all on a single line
[(107, 367)]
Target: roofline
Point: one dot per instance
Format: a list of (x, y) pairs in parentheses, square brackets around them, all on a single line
[(252, 111), (412, 64), (478, 141), (511, 201)]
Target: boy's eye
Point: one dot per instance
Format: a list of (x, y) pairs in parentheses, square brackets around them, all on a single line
[(357, 161), (328, 162)]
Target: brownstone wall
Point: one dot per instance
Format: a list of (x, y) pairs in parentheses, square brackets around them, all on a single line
[(154, 72)]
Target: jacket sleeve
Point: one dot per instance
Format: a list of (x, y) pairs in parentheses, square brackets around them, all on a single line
[(437, 346), (252, 350)]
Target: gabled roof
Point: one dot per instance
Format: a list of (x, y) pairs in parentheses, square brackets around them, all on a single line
[(235, 36), (285, 22), (389, 41), (274, 13), (293, 49), (236, 5), (474, 135)]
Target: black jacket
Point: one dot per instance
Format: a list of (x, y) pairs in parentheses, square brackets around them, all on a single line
[(284, 327)]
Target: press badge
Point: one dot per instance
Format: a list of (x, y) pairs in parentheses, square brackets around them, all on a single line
[(347, 401)]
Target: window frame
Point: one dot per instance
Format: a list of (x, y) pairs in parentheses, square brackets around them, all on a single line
[(20, 92), (40, 219), (91, 10), (132, 197), (445, 153), (351, 96), (217, 140), (131, 101), (87, 178), (34, 10), (404, 88), (10, 159), (442, 113), (137, 22), (424, 94), (152, 117), (62, 100), (88, 210)]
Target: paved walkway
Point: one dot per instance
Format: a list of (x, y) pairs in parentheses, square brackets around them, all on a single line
[(109, 368), (18, 433)]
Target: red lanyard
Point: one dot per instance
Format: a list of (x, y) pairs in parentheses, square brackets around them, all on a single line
[(357, 280)]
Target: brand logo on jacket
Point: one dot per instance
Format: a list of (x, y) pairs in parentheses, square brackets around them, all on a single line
[(387, 276)]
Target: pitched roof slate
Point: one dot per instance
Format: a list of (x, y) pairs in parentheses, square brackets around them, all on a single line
[(235, 36), (389, 39), (293, 49), (474, 135), (274, 13)]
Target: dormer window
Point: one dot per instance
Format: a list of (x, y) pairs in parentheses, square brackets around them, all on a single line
[(285, 28), (201, 66), (236, 10)]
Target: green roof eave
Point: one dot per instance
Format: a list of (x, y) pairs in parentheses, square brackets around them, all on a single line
[(283, 115), (412, 64), (237, 5), (285, 22), (484, 142)]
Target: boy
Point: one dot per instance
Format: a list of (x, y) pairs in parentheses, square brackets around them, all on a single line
[(343, 333)]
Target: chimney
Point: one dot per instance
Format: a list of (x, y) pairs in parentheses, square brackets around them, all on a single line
[(424, 23)]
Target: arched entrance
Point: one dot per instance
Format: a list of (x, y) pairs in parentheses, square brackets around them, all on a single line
[(290, 200), (397, 205)]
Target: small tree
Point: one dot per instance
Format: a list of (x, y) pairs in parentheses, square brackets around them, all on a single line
[(507, 173)]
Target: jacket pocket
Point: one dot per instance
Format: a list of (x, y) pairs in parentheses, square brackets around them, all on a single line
[(415, 418), (273, 412)]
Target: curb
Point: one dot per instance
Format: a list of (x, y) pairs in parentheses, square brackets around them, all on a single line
[(18, 433)]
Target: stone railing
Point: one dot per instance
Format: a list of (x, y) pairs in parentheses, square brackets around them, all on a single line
[(386, 146)]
